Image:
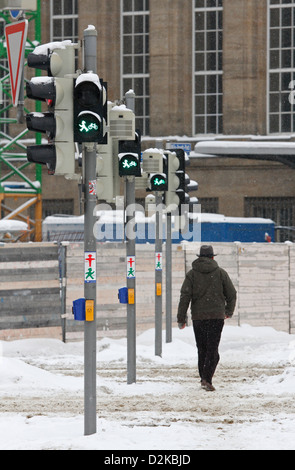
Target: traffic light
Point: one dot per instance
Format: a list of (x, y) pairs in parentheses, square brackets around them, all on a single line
[(176, 194), (90, 109), (152, 161), (107, 168), (107, 188), (129, 156), (179, 183), (58, 60), (16, 5), (159, 181)]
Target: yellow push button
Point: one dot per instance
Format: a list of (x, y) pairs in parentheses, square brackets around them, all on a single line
[(159, 288), (131, 296), (89, 310)]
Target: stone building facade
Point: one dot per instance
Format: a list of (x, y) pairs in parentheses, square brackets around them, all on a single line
[(201, 69)]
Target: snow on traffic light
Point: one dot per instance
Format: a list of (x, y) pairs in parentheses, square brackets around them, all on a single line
[(55, 89)]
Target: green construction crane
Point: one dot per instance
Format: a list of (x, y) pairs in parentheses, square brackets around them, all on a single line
[(15, 183)]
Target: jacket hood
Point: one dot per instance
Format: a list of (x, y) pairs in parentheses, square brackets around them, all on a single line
[(204, 265)]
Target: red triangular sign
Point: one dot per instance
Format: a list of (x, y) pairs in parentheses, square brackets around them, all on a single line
[(16, 36)]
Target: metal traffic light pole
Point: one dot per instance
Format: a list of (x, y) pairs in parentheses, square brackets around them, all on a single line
[(158, 274), (89, 157), (168, 278), (158, 268), (131, 265)]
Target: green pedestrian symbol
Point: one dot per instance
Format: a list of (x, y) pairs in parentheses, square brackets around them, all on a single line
[(90, 274), (131, 272)]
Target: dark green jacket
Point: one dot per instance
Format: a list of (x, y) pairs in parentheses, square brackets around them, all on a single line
[(209, 290)]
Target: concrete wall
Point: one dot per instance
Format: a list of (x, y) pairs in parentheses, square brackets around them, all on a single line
[(263, 278), (29, 290), (262, 274)]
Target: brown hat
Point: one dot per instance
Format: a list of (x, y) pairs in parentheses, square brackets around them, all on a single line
[(206, 251)]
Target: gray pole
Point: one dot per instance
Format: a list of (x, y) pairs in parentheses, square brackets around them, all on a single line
[(168, 280), (63, 277), (20, 105), (158, 272), (89, 156), (131, 263), (158, 276)]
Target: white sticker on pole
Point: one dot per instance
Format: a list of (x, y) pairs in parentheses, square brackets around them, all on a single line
[(130, 267), (92, 187), (90, 266), (158, 261)]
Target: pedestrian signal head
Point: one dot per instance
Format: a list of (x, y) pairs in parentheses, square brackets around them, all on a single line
[(90, 109)]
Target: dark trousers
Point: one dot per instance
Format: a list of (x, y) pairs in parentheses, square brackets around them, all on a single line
[(207, 334)]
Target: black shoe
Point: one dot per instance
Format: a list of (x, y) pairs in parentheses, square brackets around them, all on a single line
[(207, 386)]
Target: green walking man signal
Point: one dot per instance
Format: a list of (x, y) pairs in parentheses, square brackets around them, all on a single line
[(90, 109), (158, 182), (87, 127), (129, 164)]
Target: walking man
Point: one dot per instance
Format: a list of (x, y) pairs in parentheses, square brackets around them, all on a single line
[(213, 298)]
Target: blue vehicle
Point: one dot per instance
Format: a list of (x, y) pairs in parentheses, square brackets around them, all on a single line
[(200, 228)]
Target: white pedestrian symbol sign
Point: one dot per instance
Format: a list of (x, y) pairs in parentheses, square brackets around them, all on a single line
[(158, 261), (130, 267), (90, 266)]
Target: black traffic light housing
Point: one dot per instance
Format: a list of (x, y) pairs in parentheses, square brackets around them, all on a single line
[(181, 191), (129, 156), (90, 109), (158, 182)]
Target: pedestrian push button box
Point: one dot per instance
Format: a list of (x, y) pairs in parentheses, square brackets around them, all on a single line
[(123, 295), (89, 310), (131, 296), (79, 309)]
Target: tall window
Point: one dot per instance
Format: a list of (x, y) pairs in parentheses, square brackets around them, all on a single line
[(281, 66), (135, 57), (64, 20), (207, 66)]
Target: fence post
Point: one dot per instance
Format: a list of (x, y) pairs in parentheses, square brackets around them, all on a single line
[(63, 286), (238, 281)]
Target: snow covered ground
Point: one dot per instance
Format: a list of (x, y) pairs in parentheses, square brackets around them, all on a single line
[(42, 394)]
